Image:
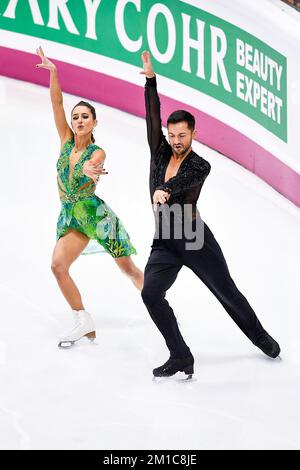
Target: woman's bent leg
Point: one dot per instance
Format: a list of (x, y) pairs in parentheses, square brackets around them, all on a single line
[(67, 250), (128, 267)]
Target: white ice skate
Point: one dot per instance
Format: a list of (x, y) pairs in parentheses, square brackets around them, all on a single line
[(83, 326)]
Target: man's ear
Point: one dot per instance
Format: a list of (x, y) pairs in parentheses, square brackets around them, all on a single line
[(194, 134)]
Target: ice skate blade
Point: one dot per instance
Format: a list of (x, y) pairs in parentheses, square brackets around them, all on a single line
[(67, 344), (186, 379), (173, 378), (272, 359)]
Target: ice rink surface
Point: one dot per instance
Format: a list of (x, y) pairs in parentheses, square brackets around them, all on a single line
[(102, 396)]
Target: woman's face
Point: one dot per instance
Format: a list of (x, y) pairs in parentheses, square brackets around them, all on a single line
[(82, 120)]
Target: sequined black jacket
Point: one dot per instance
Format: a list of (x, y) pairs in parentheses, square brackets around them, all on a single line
[(185, 187)]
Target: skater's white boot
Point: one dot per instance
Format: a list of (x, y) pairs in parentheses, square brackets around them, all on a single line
[(83, 326)]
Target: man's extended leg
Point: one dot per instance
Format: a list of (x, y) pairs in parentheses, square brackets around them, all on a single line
[(210, 266)]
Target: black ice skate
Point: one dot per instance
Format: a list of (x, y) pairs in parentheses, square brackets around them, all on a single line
[(173, 365), (268, 345)]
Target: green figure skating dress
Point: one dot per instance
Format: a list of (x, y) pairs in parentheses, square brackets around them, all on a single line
[(82, 210)]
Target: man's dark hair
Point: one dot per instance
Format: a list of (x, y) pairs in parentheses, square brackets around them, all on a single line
[(181, 115)]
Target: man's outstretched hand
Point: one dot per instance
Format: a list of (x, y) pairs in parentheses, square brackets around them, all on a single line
[(147, 65), (160, 197)]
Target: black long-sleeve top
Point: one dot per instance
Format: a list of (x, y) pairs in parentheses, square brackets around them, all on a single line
[(185, 187)]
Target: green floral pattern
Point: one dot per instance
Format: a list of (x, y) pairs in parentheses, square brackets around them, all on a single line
[(82, 210)]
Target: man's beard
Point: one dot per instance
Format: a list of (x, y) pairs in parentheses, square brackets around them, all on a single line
[(182, 151)]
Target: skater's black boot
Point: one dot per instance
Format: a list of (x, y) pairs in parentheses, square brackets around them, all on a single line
[(174, 365), (268, 345)]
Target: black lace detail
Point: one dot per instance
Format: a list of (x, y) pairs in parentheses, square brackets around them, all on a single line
[(185, 187)]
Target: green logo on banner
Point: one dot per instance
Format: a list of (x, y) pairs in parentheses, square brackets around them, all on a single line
[(187, 44)]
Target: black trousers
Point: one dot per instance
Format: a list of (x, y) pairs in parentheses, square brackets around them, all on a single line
[(208, 263)]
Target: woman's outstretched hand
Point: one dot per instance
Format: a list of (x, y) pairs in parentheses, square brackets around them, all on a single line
[(46, 63), (93, 171), (147, 64)]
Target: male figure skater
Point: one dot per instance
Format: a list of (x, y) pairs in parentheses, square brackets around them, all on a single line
[(177, 174)]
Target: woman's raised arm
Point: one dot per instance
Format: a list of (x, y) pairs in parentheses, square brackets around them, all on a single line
[(63, 128)]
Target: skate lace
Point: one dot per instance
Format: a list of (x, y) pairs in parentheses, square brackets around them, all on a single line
[(168, 363)]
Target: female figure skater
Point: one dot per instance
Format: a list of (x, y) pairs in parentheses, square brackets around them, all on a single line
[(85, 221)]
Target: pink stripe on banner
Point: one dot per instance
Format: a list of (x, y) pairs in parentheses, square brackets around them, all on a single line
[(130, 98)]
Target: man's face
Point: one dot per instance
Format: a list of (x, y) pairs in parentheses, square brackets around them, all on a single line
[(180, 137)]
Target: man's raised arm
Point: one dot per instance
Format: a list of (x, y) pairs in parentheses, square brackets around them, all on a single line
[(153, 118)]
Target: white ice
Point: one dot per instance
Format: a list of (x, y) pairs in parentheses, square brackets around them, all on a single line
[(101, 396)]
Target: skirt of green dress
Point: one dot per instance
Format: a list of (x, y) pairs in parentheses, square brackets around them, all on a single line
[(93, 217)]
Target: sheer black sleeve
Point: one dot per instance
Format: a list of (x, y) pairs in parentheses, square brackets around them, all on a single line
[(153, 117)]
